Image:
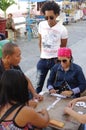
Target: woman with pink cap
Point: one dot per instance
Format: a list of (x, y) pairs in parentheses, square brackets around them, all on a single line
[(66, 77)]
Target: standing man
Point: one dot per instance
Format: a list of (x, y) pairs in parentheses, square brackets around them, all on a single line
[(52, 35)]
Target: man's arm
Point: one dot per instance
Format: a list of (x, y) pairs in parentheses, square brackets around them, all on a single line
[(72, 103), (75, 115), (32, 90), (30, 86), (40, 42), (81, 98), (63, 42), (64, 37)]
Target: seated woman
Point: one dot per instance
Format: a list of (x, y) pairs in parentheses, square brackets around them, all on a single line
[(66, 77), (14, 111), (10, 24), (69, 110)]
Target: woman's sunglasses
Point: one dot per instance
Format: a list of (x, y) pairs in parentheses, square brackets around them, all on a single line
[(64, 61), (49, 17)]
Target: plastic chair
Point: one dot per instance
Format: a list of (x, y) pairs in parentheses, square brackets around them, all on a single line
[(31, 27)]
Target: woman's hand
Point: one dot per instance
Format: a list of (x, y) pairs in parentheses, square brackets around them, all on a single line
[(67, 110), (32, 103), (38, 97), (43, 111), (72, 103), (67, 93), (52, 91)]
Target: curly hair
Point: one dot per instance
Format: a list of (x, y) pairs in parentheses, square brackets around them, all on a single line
[(50, 5)]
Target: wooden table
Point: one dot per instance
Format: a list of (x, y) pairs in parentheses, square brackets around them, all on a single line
[(57, 112)]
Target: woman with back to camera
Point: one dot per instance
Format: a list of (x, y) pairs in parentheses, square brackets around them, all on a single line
[(14, 95)]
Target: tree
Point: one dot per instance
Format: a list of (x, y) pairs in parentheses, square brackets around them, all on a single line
[(4, 4)]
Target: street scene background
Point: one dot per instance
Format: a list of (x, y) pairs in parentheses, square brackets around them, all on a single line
[(72, 15), (31, 54)]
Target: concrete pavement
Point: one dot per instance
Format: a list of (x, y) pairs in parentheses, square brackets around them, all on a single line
[(31, 54)]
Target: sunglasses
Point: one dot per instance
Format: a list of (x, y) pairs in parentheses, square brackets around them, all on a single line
[(49, 17), (64, 61)]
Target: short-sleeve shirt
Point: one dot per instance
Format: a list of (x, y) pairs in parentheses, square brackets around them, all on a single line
[(51, 38)]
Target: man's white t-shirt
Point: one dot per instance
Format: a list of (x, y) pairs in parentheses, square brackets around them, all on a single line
[(51, 38)]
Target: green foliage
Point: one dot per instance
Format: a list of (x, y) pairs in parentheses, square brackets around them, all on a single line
[(4, 4)]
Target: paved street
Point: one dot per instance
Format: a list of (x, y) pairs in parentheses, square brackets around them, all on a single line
[(31, 54)]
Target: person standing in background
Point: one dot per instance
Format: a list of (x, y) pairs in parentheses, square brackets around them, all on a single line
[(52, 35)]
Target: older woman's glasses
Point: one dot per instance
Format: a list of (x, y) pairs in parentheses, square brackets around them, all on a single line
[(49, 17), (64, 60)]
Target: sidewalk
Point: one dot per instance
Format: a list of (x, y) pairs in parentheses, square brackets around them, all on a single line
[(79, 53)]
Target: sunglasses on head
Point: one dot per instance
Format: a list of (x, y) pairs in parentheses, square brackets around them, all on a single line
[(49, 17), (64, 61)]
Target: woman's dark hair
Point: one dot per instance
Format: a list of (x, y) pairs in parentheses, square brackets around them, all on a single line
[(71, 60), (13, 87), (50, 5)]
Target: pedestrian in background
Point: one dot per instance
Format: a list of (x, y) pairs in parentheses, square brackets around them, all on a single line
[(52, 35)]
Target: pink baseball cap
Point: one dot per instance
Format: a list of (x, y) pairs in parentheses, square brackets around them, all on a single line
[(64, 52)]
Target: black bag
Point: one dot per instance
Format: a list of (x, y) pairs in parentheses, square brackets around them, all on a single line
[(64, 87)]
